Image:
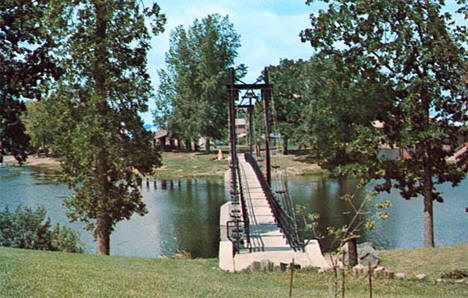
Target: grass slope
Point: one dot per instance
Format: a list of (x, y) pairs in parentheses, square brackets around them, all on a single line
[(190, 164), (27, 273), (200, 164)]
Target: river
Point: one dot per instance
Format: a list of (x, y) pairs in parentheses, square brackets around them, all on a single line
[(184, 214)]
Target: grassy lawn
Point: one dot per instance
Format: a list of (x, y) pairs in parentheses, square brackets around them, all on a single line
[(26, 273), (430, 261), (191, 164), (178, 165), (199, 164)]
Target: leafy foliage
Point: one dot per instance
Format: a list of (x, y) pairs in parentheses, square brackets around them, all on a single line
[(25, 62), (417, 56), (40, 127), (321, 103), (288, 79), (27, 228), (192, 92), (100, 136)]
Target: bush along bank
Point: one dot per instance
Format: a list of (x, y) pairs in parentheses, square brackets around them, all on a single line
[(29, 229)]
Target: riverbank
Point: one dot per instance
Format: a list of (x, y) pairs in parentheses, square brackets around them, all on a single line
[(201, 164), (42, 163), (27, 273), (178, 165)]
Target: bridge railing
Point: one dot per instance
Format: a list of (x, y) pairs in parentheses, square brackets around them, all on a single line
[(245, 215), (284, 221), (235, 233)]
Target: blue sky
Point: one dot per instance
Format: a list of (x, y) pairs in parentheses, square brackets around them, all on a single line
[(269, 31)]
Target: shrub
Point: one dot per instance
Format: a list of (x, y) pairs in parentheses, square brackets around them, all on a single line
[(27, 228), (65, 239)]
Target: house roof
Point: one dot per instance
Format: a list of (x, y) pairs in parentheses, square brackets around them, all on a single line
[(161, 134)]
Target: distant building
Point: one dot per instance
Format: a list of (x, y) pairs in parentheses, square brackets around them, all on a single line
[(162, 140), (387, 152), (241, 127)]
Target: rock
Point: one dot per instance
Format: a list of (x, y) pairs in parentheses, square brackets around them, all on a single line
[(323, 270), (400, 275), (421, 276), (183, 254), (255, 267), (367, 254), (379, 272), (360, 269), (264, 265), (383, 272), (220, 155), (267, 265)]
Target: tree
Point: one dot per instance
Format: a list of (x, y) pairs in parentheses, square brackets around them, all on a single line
[(25, 61), (321, 104), (40, 127), (194, 84), (101, 141), (337, 118), (287, 97), (417, 55)]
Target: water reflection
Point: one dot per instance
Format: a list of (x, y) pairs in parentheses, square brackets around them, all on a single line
[(184, 213), (182, 217), (403, 229)]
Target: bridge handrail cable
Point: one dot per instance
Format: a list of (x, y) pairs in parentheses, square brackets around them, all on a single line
[(284, 222), (245, 215)]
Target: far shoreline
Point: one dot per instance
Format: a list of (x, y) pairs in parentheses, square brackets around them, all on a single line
[(33, 160), (189, 165)]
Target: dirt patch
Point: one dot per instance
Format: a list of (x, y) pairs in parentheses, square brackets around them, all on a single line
[(33, 160)]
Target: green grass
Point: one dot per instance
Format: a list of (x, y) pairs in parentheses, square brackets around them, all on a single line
[(199, 164), (430, 261), (191, 164), (27, 273)]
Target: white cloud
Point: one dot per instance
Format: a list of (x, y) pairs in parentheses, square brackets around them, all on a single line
[(269, 31)]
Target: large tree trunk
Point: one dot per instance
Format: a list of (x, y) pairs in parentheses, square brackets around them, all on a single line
[(103, 232), (207, 145), (285, 145), (195, 146), (428, 207), (171, 144), (188, 145)]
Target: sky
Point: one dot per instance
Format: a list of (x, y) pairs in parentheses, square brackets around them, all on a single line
[(269, 31)]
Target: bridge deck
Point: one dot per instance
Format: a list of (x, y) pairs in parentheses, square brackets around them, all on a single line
[(264, 232), (267, 242)]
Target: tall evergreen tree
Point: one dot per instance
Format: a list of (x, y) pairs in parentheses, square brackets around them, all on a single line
[(101, 142), (417, 54)]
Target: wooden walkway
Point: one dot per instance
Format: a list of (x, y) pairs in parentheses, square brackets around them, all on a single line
[(264, 232), (267, 242)]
